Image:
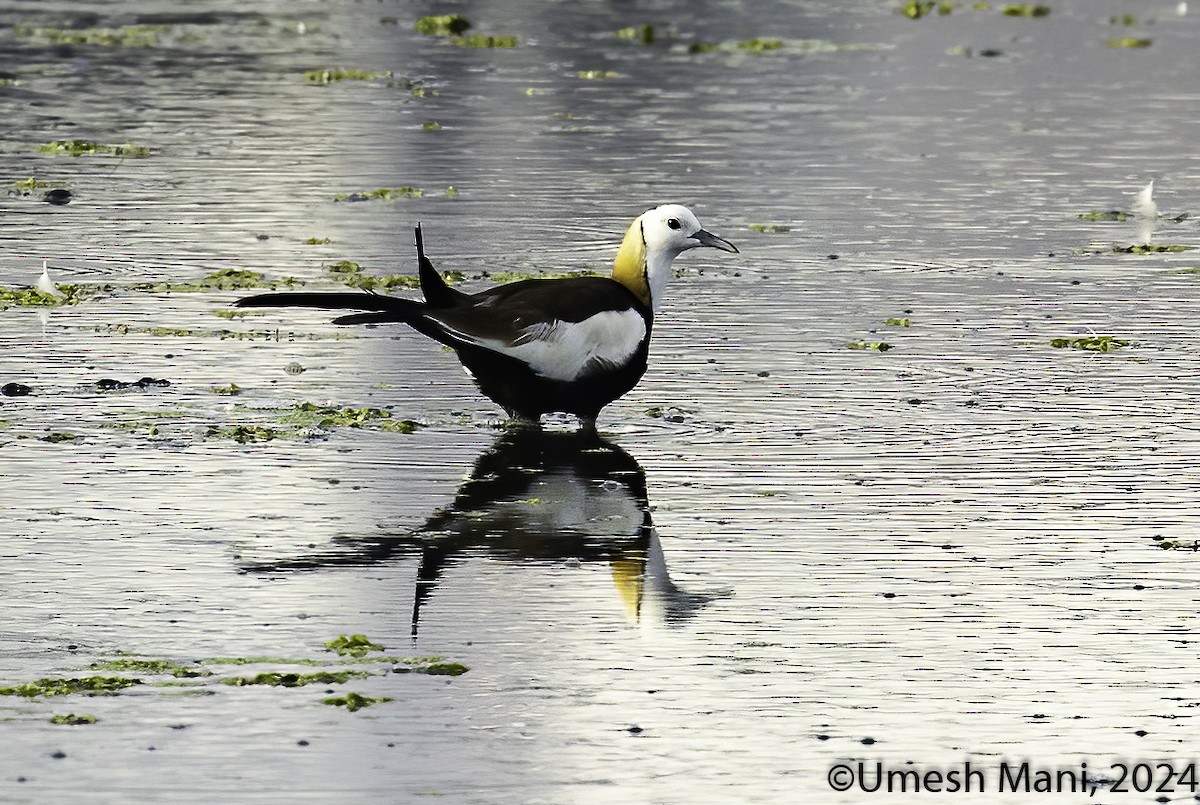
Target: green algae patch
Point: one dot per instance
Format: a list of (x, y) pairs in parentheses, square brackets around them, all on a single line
[(442, 25), (355, 701), (381, 194), (643, 33), (90, 685), (232, 390), (355, 645), (288, 679), (431, 125), (1130, 42), (259, 661), (1103, 215), (334, 75), (1148, 248), (759, 45), (486, 41), (1090, 343), (597, 75), (147, 666), (68, 294), (225, 279), (878, 346), (399, 425), (443, 669), (505, 277), (769, 229), (28, 186), (453, 28), (127, 36), (915, 9), (72, 720), (317, 241), (243, 434), (311, 415), (350, 273), (431, 666), (898, 322), (79, 148), (1026, 10)]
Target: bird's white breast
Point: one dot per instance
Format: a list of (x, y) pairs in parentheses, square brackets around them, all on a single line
[(569, 350)]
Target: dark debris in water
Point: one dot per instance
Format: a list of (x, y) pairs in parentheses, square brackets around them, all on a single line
[(141, 384), (15, 390)]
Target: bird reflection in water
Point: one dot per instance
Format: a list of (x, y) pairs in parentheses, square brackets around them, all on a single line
[(541, 495)]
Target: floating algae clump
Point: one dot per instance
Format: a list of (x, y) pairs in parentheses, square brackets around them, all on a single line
[(79, 148), (311, 415), (350, 273), (639, 33), (356, 645), (915, 9), (880, 346), (1103, 215), (72, 720), (91, 685), (453, 28), (1128, 42), (772, 229), (382, 194), (1148, 248), (144, 666), (225, 279), (127, 36), (1026, 10), (290, 679), (1091, 343), (332, 76), (444, 25), (243, 434), (355, 701), (32, 297)]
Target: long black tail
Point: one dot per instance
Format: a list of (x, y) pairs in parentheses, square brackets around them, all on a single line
[(437, 293), (383, 308)]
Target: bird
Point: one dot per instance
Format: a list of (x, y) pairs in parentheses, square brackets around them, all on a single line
[(539, 346)]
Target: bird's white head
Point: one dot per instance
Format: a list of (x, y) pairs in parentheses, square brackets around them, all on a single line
[(653, 240)]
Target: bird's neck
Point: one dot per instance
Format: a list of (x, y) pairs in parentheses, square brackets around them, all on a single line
[(630, 267)]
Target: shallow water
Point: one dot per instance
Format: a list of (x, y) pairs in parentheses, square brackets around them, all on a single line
[(942, 553)]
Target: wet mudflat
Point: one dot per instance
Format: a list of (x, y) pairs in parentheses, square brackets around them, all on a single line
[(912, 479)]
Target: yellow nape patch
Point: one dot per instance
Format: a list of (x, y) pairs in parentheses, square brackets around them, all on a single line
[(629, 268)]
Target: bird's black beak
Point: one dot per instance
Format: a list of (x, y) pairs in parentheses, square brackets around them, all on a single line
[(707, 238)]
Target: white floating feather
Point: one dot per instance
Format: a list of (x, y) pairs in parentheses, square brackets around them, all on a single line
[(1145, 214), (45, 284)]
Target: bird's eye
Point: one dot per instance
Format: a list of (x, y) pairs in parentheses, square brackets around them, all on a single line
[(673, 223)]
